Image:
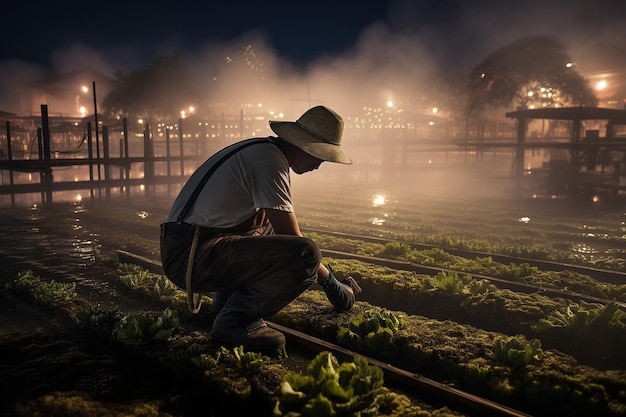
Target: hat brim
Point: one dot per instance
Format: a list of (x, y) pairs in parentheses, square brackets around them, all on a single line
[(291, 132)]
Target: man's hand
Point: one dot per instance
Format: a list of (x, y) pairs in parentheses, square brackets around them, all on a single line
[(340, 295)]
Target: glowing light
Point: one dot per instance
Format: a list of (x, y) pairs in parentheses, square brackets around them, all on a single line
[(524, 219), (378, 200), (569, 65), (85, 89), (79, 198), (596, 199), (389, 103), (601, 85)]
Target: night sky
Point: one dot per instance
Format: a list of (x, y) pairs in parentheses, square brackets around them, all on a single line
[(456, 32)]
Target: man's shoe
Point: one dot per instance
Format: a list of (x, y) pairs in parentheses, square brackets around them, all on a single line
[(256, 337)]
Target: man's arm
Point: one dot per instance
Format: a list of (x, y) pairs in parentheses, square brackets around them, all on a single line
[(286, 223)]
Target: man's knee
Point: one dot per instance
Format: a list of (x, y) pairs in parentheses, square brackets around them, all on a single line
[(311, 258), (311, 252)]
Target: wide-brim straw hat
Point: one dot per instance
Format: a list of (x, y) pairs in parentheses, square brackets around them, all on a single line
[(317, 132)]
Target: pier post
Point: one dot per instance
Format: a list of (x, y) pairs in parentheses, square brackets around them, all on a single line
[(46, 173), (182, 147)]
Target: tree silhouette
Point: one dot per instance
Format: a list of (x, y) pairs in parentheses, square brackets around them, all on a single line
[(160, 92), (461, 96), (533, 72)]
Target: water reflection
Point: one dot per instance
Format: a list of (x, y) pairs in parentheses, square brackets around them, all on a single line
[(377, 221), (378, 200), (79, 207), (143, 214), (584, 248), (86, 249)]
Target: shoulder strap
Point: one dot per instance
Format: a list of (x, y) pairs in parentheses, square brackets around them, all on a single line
[(210, 172)]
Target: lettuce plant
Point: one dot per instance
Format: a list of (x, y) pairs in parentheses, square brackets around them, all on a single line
[(330, 389), (48, 293), (370, 331), (163, 287), (142, 328), (584, 317), (517, 351), (97, 319), (132, 275)]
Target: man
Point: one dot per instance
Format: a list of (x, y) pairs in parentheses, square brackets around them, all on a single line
[(232, 230)]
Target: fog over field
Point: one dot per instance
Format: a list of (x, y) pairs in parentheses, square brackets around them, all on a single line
[(387, 63)]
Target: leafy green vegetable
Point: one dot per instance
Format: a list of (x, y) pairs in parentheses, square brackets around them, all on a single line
[(142, 328), (330, 389), (517, 351)]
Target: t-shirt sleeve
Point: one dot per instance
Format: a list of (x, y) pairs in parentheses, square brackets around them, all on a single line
[(270, 184)]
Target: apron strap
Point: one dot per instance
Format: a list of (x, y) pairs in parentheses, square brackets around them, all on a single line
[(193, 303), (205, 178)]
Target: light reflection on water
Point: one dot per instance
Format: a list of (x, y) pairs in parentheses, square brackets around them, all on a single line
[(143, 214), (86, 249), (378, 200), (584, 248), (377, 221)]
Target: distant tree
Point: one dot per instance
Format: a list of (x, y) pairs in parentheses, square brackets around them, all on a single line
[(461, 97), (533, 72), (159, 92)]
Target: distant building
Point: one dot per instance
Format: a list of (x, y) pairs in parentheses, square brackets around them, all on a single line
[(66, 95)]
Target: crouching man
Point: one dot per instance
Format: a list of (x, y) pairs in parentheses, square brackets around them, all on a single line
[(232, 230)]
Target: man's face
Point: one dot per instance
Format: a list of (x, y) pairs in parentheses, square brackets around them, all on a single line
[(303, 162)]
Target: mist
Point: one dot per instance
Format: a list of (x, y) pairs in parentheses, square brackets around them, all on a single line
[(388, 62)]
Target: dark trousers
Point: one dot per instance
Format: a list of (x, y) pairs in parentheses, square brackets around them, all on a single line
[(252, 276)]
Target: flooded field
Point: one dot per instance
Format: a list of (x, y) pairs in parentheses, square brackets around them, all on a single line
[(69, 240)]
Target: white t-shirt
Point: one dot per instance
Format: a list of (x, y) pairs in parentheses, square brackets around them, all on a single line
[(253, 178)]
